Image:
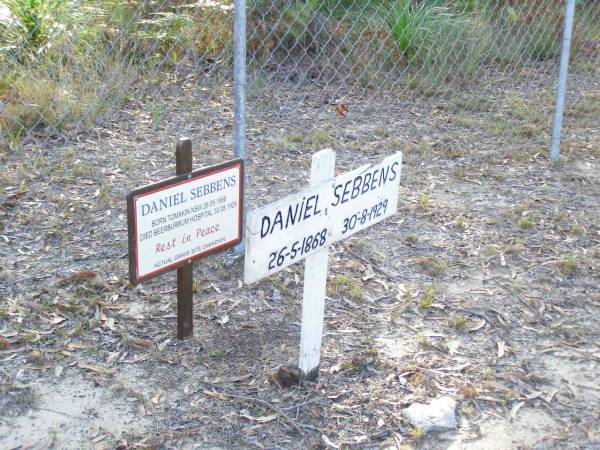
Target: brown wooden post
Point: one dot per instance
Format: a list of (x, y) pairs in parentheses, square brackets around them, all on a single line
[(185, 274)]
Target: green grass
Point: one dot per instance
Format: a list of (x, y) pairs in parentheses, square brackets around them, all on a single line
[(526, 223), (63, 65), (569, 265)]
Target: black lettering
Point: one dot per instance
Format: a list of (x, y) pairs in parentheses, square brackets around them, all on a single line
[(278, 220), (302, 205), (393, 169), (317, 210), (308, 208), (336, 195), (346, 191), (266, 220), (374, 181), (384, 175), (291, 217), (356, 187), (366, 181)]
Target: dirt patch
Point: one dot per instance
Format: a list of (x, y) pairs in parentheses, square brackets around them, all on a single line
[(70, 412)]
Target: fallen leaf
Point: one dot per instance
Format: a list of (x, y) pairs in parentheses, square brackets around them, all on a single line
[(341, 109), (97, 369), (84, 275), (112, 357), (223, 320), (551, 395), (453, 345), (240, 378), (259, 419), (501, 348), (215, 394), (140, 342), (251, 430), (515, 409), (158, 398), (58, 370), (110, 323), (478, 325), (329, 442)]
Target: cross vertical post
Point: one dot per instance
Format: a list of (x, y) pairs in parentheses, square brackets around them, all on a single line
[(315, 281)]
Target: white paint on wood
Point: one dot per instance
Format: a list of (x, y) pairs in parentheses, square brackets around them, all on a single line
[(303, 225), (315, 279), (334, 209)]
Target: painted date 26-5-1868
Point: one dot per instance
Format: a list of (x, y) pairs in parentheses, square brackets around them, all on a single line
[(298, 248)]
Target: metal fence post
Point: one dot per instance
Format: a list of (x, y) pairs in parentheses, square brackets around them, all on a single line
[(562, 80), (239, 87)]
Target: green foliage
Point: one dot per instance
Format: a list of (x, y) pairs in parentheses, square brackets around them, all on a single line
[(410, 24), (36, 22), (440, 43)]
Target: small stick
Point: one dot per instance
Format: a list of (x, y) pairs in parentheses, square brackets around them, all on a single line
[(366, 261), (267, 405)]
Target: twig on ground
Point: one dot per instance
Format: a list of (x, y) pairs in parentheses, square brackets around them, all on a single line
[(367, 261), (260, 402)]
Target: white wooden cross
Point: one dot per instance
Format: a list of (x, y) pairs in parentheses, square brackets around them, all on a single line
[(304, 225)]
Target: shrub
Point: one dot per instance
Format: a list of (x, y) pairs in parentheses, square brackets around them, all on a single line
[(438, 42)]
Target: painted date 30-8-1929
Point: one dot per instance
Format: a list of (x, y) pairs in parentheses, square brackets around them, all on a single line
[(298, 248), (364, 216)]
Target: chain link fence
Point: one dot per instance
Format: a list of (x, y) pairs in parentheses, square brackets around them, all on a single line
[(67, 66)]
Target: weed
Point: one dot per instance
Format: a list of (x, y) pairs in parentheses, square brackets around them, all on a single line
[(568, 266), (281, 286), (427, 299), (452, 152), (460, 225), (355, 291), (458, 321), (460, 173), (196, 286), (487, 373), (5, 274), (280, 143), (526, 223), (297, 138), (360, 244), (319, 139), (513, 249), (424, 202), (577, 228), (425, 302), (216, 353), (339, 281), (412, 239), (433, 266), (442, 32), (24, 397), (379, 131), (417, 379), (156, 112)]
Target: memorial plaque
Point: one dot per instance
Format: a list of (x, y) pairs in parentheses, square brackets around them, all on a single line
[(183, 218)]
